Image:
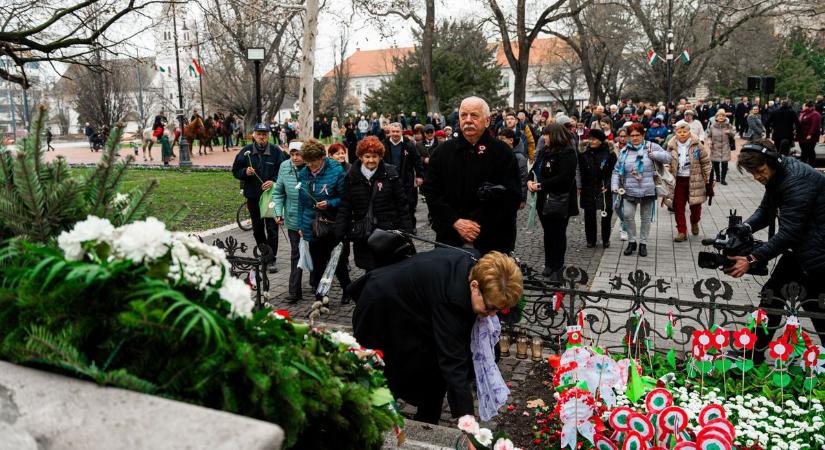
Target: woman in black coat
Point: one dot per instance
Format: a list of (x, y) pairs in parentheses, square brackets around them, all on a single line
[(595, 171), (370, 180), (420, 313), (555, 168)]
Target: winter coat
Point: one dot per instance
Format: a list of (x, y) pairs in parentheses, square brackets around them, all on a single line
[(556, 171), (594, 172), (389, 206), (411, 165), (327, 185), (287, 198), (457, 171), (646, 186), (699, 168), (418, 312), (799, 191), (522, 173), (658, 132), (809, 122), (719, 140), (266, 163), (784, 123), (756, 130)]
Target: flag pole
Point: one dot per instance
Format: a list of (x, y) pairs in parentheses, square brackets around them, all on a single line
[(200, 75)]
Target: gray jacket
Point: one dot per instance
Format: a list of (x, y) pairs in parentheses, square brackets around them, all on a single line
[(645, 186), (756, 130)]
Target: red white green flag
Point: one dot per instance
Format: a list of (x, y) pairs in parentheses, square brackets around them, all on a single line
[(652, 57), (685, 56), (197, 66)]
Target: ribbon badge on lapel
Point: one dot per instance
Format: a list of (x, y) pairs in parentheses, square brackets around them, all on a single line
[(481, 149), (380, 186)]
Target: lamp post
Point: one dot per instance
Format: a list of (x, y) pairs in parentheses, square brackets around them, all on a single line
[(185, 160), (256, 54), (669, 54)]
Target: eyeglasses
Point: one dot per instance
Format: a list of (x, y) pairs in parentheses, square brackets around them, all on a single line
[(635, 135)]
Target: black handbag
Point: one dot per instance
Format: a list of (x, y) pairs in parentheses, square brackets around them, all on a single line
[(362, 229), (322, 228), (556, 206)]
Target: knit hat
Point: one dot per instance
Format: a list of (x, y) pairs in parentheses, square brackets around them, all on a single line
[(596, 133), (440, 133), (562, 119), (295, 146)]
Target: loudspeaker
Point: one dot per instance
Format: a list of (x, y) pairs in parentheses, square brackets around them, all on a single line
[(768, 85), (753, 83)]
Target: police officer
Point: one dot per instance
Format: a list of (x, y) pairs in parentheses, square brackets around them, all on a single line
[(256, 165), (798, 191)]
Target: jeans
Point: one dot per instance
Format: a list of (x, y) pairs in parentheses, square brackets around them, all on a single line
[(808, 154), (646, 212), (320, 250), (789, 269), (265, 231), (295, 272), (720, 170), (590, 225), (555, 241), (681, 197)]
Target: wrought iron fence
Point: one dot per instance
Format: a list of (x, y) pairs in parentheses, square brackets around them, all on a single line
[(243, 265), (638, 297)]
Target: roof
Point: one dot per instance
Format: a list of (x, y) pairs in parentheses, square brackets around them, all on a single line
[(366, 63)]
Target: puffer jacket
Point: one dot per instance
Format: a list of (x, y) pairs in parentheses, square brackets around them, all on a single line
[(799, 191), (389, 206), (699, 168), (659, 132), (594, 172), (327, 185), (644, 187), (287, 201), (719, 141)]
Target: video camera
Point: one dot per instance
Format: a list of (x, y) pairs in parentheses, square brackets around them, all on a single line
[(735, 240)]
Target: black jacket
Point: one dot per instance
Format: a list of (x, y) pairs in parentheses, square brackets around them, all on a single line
[(411, 165), (418, 313), (798, 191), (389, 206), (784, 123), (595, 172), (556, 171), (266, 163), (456, 172)]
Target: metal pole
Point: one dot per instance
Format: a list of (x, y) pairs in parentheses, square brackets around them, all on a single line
[(13, 114), (185, 161), (257, 91), (669, 52), (200, 76), (26, 118), (140, 96)]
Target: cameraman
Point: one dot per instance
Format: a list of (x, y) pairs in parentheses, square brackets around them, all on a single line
[(798, 191)]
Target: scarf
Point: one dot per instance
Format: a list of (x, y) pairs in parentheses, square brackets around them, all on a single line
[(367, 172), (640, 164), (492, 391)]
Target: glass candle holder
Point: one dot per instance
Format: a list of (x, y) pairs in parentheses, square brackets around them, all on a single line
[(504, 344), (535, 349), (521, 347)]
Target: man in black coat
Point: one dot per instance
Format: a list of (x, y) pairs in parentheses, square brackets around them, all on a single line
[(784, 123), (741, 115), (799, 192), (462, 165), (258, 176), (426, 147), (403, 154)]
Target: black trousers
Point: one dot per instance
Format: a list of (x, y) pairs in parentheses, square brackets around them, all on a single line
[(320, 250), (590, 221), (808, 154), (555, 241), (720, 170), (787, 270), (412, 203), (295, 273), (265, 231)]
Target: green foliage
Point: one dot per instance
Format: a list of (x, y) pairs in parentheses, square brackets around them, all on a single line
[(800, 72), (463, 65), (127, 325)]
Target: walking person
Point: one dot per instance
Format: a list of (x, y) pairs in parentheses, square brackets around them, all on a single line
[(720, 137), (257, 165), (621, 142), (808, 136), (287, 213), (756, 129), (692, 172), (165, 149), (49, 137), (785, 125), (89, 131), (555, 168), (403, 154), (596, 165), (634, 175)]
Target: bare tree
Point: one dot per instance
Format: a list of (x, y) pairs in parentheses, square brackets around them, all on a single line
[(36, 31), (517, 35), (559, 78), (102, 97), (409, 10), (342, 98)]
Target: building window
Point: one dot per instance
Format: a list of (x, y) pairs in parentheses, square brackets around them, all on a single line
[(358, 91), (505, 81), (370, 86)]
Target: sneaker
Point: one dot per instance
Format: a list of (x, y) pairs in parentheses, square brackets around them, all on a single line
[(681, 237), (623, 235), (694, 229)]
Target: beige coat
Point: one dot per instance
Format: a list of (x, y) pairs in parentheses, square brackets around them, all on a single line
[(719, 141), (699, 173)]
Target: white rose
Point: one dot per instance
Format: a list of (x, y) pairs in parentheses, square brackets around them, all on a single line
[(238, 294), (503, 444), (484, 437), (343, 338), (92, 229), (468, 424)]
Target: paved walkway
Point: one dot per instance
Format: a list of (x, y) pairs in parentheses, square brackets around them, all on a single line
[(79, 153)]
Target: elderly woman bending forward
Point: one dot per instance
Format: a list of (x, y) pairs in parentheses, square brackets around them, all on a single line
[(633, 180), (691, 168)]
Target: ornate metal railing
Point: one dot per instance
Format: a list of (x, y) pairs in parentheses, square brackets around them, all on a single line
[(610, 319), (242, 265)]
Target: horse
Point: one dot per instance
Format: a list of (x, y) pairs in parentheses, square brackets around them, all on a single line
[(196, 129)]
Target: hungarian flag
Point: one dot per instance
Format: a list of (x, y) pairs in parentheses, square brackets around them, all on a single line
[(197, 66), (652, 57), (161, 69), (685, 56), (192, 71)]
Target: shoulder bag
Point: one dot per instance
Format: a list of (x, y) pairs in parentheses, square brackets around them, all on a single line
[(557, 205), (362, 229), (664, 180)]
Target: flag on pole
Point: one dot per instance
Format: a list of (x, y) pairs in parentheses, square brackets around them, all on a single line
[(197, 66), (160, 68), (192, 71), (652, 57), (685, 56)]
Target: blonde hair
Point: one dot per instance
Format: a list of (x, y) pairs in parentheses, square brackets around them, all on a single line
[(499, 280)]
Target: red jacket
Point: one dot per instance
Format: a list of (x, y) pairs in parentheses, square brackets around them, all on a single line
[(809, 122)]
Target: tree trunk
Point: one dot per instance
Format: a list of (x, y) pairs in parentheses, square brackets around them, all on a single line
[(520, 72), (427, 82), (307, 67)]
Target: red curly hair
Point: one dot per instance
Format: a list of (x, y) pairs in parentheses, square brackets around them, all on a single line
[(370, 144), (335, 148)]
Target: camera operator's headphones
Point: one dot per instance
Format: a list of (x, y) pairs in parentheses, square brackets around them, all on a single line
[(774, 158)]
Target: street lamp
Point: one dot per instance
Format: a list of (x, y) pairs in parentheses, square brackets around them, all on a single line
[(256, 54), (185, 160)]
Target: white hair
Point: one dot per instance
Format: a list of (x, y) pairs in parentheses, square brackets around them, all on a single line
[(485, 108), (395, 125), (681, 124)]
